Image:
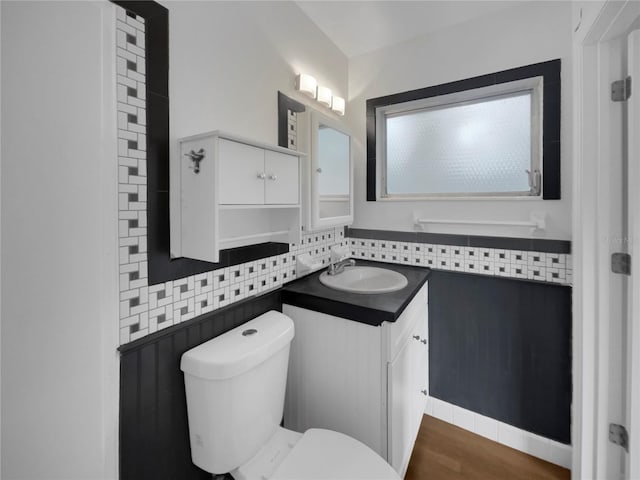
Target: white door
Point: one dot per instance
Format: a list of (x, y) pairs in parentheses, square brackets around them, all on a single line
[(633, 324), (607, 220), (619, 219), (619, 214)]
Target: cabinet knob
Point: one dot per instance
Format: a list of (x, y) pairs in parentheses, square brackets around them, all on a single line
[(319, 170), (273, 177), (424, 340), (262, 176), (417, 337), (424, 392)]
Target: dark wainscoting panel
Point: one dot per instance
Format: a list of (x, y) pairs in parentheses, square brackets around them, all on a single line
[(154, 434), (502, 348)]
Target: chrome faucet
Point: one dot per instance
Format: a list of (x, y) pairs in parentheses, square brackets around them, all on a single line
[(338, 267)]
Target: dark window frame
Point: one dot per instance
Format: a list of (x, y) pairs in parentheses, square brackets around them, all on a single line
[(550, 71)]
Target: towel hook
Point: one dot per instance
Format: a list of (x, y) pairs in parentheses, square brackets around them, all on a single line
[(196, 158)]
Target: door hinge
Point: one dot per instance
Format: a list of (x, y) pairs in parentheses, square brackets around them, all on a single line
[(621, 263), (619, 435), (621, 90)]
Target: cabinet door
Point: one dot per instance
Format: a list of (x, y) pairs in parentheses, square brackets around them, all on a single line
[(282, 182), (421, 367), (408, 384), (401, 400), (241, 174)]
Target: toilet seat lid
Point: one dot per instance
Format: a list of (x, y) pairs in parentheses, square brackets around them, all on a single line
[(325, 454)]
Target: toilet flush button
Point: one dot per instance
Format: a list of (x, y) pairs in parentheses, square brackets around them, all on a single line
[(249, 332)]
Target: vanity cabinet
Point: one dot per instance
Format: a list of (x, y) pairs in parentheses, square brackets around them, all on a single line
[(229, 192), (369, 382)]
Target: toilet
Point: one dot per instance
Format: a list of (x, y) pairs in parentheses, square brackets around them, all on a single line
[(235, 387)]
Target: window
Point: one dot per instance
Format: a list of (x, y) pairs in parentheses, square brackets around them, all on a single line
[(491, 136)]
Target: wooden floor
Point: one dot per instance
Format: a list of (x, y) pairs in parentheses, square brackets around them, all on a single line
[(446, 452)]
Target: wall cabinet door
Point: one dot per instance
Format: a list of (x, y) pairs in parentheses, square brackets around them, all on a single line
[(241, 167), (254, 176), (282, 182)]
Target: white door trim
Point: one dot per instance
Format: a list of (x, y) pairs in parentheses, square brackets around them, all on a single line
[(590, 372)]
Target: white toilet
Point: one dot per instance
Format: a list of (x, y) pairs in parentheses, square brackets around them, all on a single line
[(235, 386)]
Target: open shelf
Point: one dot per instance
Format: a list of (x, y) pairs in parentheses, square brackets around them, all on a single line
[(257, 224)]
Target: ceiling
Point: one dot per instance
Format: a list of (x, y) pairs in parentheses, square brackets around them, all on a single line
[(361, 26)]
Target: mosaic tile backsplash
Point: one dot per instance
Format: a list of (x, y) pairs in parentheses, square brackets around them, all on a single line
[(145, 309)]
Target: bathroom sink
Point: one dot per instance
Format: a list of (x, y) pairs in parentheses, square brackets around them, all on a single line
[(365, 280)]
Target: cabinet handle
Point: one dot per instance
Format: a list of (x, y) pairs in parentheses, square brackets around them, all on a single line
[(262, 176), (424, 341), (273, 177), (424, 392), (417, 337)]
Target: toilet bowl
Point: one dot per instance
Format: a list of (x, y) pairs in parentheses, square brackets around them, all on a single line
[(316, 454), (235, 386)]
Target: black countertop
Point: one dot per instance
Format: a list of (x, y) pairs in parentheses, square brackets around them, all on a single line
[(373, 309)]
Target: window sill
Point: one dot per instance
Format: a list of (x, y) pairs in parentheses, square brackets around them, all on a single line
[(523, 198)]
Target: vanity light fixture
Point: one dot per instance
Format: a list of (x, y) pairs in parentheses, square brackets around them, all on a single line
[(337, 105), (306, 84), (324, 96)]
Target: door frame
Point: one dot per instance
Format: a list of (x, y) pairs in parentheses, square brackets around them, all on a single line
[(594, 24)]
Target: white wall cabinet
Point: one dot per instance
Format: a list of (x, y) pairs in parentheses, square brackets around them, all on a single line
[(368, 382), (230, 192)]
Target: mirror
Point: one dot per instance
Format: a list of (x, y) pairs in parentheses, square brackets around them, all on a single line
[(331, 173)]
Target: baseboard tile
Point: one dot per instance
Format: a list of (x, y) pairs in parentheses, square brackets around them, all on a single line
[(527, 442)]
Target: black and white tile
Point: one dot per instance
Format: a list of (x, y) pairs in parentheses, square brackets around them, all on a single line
[(292, 130), (135, 305), (144, 308)]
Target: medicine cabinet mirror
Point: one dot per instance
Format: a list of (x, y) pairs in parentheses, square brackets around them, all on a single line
[(331, 173)]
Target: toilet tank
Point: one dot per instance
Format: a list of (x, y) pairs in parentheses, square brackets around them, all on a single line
[(235, 386)]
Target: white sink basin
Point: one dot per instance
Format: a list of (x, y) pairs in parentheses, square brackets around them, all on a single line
[(365, 280)]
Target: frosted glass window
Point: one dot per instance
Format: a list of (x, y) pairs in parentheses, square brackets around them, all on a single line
[(479, 147)]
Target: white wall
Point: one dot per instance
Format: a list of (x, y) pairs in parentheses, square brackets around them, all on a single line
[(527, 33), (229, 59), (59, 203), (59, 231)]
